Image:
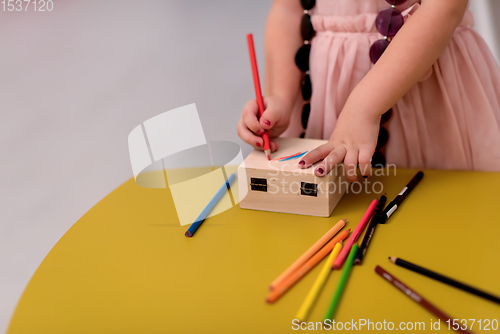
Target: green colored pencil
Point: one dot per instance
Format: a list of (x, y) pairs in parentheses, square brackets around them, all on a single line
[(342, 283)]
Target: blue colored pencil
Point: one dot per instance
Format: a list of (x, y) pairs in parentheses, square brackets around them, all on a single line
[(213, 202)]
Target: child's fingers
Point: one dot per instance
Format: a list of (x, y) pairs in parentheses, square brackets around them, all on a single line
[(249, 116), (364, 159), (350, 164), (333, 159), (274, 145), (248, 136), (251, 107), (269, 118), (316, 155)]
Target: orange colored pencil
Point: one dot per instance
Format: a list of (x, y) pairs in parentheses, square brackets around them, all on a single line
[(309, 253), (293, 278)]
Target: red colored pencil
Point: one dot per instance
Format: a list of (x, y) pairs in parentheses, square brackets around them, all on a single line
[(258, 92), (413, 295)]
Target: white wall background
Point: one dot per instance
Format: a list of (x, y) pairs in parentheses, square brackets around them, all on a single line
[(75, 81), (486, 13)]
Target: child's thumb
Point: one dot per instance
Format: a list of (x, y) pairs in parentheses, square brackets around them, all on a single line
[(269, 118)]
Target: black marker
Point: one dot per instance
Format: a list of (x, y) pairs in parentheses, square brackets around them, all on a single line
[(393, 206), (444, 279)]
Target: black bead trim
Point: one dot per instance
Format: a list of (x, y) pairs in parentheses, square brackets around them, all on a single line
[(307, 4), (305, 114), (378, 160), (306, 88), (302, 57), (306, 28), (386, 116), (383, 137)]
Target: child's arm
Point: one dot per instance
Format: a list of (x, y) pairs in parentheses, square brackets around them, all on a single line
[(281, 42), (282, 77), (413, 51)]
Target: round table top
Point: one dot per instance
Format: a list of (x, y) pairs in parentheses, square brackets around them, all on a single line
[(126, 266)]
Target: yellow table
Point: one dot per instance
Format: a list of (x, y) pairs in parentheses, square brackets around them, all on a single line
[(126, 267)]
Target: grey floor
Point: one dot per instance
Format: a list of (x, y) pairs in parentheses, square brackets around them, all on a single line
[(75, 81)]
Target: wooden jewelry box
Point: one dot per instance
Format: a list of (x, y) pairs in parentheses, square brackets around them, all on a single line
[(280, 185)]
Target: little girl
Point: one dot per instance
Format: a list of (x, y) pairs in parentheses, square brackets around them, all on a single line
[(437, 78)]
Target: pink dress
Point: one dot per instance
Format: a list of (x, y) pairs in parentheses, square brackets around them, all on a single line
[(449, 120)]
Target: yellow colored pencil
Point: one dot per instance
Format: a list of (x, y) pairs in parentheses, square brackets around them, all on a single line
[(313, 294)]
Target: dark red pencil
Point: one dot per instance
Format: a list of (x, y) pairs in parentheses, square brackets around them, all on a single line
[(415, 296)]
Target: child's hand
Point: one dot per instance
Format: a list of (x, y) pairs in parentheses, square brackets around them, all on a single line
[(275, 120), (353, 141)]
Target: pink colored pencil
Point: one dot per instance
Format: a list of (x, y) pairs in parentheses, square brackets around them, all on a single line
[(337, 264)]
